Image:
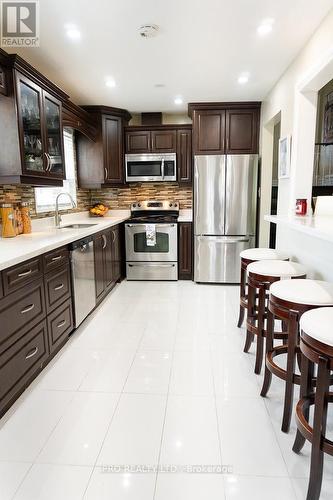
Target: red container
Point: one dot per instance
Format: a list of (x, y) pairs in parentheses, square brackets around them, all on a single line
[(301, 206)]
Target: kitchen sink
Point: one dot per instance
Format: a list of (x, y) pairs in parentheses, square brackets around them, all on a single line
[(77, 226)]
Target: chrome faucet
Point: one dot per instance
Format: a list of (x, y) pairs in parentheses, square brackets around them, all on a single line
[(57, 216)]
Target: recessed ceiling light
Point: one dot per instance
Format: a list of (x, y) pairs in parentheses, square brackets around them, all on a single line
[(110, 82), (178, 100), (265, 27), (243, 78), (72, 32)]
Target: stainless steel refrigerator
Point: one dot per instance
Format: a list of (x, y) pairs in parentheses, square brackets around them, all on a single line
[(225, 206)]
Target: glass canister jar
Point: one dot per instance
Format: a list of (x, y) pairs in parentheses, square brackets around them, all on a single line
[(26, 218), (8, 220)]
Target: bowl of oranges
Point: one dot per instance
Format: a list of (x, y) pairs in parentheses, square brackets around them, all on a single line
[(98, 210)]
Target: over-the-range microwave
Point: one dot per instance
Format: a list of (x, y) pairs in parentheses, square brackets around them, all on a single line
[(151, 167)]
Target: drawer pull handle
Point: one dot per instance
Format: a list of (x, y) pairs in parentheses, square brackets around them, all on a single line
[(32, 353), (56, 258), (27, 309), (59, 287), (25, 273), (61, 324)]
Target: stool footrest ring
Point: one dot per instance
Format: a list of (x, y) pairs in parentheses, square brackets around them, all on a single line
[(305, 428), (277, 370)]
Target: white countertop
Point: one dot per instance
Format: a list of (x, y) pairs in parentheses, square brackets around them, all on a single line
[(46, 237), (319, 226), (185, 215)]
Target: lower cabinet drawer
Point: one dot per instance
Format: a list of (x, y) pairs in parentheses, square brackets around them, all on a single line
[(20, 362), (57, 287), (20, 310), (60, 325)]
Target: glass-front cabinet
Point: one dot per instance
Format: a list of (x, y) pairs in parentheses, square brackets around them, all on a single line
[(40, 127), (52, 109)]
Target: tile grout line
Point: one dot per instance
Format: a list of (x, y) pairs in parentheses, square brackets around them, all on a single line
[(165, 411), (217, 417), (114, 412)]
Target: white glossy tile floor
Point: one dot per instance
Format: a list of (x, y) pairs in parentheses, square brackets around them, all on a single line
[(155, 377)]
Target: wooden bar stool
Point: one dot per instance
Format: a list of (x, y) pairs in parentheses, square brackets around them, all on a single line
[(316, 345), (247, 257), (288, 301), (260, 276)]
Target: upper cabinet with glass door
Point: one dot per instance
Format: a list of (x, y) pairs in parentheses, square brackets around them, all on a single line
[(30, 127)]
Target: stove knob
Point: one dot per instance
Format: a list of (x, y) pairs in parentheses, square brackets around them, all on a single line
[(170, 204), (139, 205), (134, 205)]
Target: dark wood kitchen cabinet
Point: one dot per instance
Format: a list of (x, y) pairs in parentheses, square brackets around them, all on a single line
[(21, 362), (108, 260), (184, 156), (36, 319), (185, 251), (163, 141), (138, 141), (159, 140), (31, 138), (154, 139), (242, 131), (116, 252), (60, 325), (101, 162), (225, 128)]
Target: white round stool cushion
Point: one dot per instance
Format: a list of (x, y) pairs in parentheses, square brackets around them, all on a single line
[(277, 268), (263, 254), (308, 292), (318, 324)]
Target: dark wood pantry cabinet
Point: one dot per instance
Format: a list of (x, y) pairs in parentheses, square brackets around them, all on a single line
[(225, 128), (101, 162), (185, 250), (31, 138)]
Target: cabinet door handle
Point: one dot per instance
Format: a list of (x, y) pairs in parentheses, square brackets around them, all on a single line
[(32, 353), (105, 173), (25, 273), (49, 158), (28, 308), (56, 258), (104, 241), (59, 287), (61, 324), (113, 236)]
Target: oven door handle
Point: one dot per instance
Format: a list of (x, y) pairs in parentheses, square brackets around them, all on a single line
[(151, 264), (156, 225)]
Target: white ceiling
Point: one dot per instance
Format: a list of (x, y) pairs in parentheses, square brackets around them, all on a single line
[(202, 48)]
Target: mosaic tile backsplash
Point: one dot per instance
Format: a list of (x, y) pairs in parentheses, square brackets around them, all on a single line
[(116, 198)]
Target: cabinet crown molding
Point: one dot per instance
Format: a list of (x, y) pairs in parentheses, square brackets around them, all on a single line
[(194, 106), (16, 62)]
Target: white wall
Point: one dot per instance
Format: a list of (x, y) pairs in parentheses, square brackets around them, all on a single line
[(295, 97)]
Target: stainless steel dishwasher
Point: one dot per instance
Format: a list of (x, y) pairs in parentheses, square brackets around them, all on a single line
[(83, 278)]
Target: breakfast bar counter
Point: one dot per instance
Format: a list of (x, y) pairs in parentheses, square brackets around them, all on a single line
[(308, 240)]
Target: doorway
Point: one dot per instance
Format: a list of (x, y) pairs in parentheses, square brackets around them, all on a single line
[(275, 181)]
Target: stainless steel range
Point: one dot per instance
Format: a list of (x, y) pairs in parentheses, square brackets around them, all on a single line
[(151, 241)]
